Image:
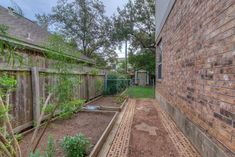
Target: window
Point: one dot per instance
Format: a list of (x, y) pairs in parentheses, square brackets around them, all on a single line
[(159, 61)]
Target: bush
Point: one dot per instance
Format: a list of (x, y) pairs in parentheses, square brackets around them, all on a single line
[(75, 146), (67, 110), (116, 83)]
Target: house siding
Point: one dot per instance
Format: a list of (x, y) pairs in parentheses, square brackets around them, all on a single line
[(198, 68)]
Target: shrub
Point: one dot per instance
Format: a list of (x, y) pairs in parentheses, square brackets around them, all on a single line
[(116, 83), (75, 146), (68, 109)]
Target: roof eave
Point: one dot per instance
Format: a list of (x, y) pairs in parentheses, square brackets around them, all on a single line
[(40, 48), (167, 13)]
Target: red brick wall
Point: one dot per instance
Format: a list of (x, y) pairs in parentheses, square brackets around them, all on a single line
[(199, 64)]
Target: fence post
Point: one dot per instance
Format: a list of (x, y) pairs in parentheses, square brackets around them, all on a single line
[(87, 86), (35, 93)]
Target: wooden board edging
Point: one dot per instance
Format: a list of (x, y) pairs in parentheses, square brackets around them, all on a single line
[(119, 109)]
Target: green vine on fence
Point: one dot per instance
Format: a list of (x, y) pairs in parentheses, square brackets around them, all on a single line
[(9, 145), (8, 50), (65, 106)]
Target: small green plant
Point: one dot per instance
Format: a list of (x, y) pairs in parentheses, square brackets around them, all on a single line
[(68, 109), (99, 85), (50, 150), (94, 72), (36, 154), (3, 29), (9, 145), (75, 146)]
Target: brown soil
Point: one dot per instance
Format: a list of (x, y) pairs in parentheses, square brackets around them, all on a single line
[(92, 125), (148, 136), (107, 101)]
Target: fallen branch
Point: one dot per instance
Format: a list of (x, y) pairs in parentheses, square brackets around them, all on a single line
[(44, 129), (40, 118)]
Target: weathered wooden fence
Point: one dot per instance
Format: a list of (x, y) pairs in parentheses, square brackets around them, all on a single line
[(32, 89)]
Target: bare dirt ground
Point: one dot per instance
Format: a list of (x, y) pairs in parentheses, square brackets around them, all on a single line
[(145, 130), (148, 136), (90, 124), (107, 101)]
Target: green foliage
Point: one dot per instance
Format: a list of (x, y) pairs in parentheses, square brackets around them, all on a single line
[(75, 146), (94, 72), (99, 84), (3, 29), (50, 150), (144, 59), (7, 82), (116, 83), (19, 137), (36, 154), (58, 44), (83, 21), (67, 110), (8, 50), (3, 111), (135, 22), (49, 108), (140, 92)]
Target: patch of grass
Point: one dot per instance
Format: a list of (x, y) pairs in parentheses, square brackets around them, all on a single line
[(140, 92)]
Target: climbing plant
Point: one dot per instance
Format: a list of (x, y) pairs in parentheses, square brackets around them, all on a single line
[(9, 145), (65, 105), (8, 50)]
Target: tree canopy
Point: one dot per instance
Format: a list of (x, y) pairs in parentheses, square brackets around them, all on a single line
[(97, 36), (136, 23), (84, 22)]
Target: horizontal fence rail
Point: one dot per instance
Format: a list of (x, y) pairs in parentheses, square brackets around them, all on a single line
[(32, 90)]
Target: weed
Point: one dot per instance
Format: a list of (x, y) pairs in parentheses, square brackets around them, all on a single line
[(50, 150)]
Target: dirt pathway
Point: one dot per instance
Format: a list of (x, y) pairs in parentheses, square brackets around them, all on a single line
[(147, 131)]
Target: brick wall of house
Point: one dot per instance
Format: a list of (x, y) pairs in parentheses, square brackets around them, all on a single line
[(198, 41)]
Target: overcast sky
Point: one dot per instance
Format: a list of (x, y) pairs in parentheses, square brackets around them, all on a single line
[(32, 7)]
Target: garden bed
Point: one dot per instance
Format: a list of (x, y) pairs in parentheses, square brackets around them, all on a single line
[(107, 103), (94, 125)]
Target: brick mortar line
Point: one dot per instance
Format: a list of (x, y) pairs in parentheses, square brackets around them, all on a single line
[(120, 145), (181, 143)]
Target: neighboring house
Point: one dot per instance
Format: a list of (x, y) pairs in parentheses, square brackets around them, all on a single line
[(37, 71), (195, 69), (27, 33)]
